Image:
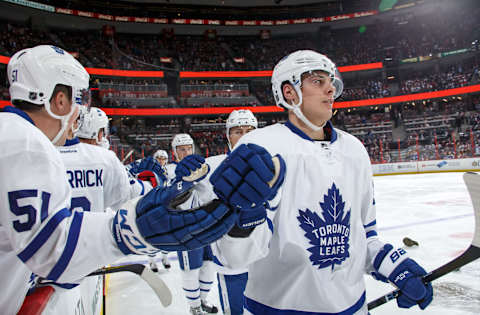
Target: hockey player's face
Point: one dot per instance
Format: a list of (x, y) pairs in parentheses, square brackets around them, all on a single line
[(183, 151), (236, 133), (162, 161), (318, 96)]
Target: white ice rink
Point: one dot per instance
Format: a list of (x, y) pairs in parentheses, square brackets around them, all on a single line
[(433, 209)]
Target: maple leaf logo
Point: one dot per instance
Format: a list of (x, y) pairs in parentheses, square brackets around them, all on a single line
[(329, 236)]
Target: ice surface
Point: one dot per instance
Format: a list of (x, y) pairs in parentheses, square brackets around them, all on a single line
[(433, 209)]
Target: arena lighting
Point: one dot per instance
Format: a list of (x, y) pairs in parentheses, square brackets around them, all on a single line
[(125, 73), (271, 109)]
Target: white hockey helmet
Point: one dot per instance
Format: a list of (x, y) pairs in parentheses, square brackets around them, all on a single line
[(160, 154), (34, 72), (290, 69), (240, 117), (182, 139), (91, 120)]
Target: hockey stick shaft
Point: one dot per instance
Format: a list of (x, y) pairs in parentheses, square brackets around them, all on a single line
[(472, 181), (128, 155)]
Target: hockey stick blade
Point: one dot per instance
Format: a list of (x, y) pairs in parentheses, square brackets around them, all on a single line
[(151, 278), (472, 181)]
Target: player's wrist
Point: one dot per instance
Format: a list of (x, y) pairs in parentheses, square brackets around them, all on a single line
[(238, 232), (126, 234)]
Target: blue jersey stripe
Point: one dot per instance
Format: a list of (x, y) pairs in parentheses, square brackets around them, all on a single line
[(370, 224), (44, 234), (258, 308), (70, 246), (143, 187), (270, 224), (371, 233)]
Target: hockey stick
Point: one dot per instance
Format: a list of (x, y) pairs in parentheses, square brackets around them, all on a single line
[(151, 278), (472, 181), (128, 155)]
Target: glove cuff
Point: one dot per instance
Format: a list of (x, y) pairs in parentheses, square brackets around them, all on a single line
[(126, 233), (389, 258)]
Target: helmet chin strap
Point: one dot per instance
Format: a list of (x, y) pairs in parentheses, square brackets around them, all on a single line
[(298, 112), (63, 120)]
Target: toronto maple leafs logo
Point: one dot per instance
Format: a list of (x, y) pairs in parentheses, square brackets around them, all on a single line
[(329, 236)]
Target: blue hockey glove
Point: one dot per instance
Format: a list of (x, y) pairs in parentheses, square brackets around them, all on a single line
[(250, 218), (146, 164), (406, 274), (248, 177), (191, 168), (150, 223)]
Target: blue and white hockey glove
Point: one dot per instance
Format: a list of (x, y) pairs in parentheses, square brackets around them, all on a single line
[(395, 266), (146, 164), (248, 177), (191, 168), (150, 223)]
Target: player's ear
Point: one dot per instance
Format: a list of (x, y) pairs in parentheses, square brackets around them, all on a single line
[(61, 100), (60, 103), (289, 93)]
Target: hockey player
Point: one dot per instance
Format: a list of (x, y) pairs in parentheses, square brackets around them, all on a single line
[(161, 156), (38, 229), (93, 127), (182, 146), (196, 266), (311, 254), (95, 173), (231, 282)]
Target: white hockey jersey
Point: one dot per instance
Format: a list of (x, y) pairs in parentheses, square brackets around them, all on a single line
[(203, 192), (313, 255), (38, 232), (170, 167), (97, 177)]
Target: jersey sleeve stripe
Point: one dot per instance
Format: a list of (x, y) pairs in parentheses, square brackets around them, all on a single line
[(370, 224), (371, 233), (143, 187), (70, 246), (270, 224), (42, 237)]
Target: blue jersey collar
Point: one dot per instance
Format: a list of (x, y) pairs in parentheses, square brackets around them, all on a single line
[(21, 113), (328, 129), (70, 142)]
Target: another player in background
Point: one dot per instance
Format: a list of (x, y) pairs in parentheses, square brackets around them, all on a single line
[(99, 181), (97, 177), (38, 229), (231, 282), (311, 256), (196, 266), (182, 146), (161, 157)]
